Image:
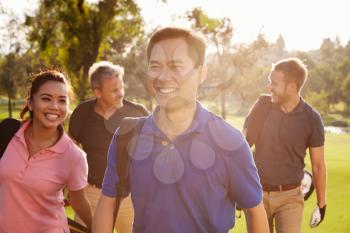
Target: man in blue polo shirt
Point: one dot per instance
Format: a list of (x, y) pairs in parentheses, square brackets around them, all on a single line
[(190, 168)]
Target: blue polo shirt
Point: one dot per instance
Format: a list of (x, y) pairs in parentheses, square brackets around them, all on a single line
[(191, 184)]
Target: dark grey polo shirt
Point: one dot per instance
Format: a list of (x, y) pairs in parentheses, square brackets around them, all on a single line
[(285, 137), (94, 133)]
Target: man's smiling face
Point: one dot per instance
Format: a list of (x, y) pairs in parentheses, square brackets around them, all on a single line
[(172, 75)]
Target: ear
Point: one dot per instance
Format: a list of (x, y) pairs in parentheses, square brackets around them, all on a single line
[(97, 92), (292, 87), (203, 73), (30, 105)]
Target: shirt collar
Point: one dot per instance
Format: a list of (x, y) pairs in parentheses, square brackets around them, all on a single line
[(299, 108), (198, 124), (59, 146), (92, 112)]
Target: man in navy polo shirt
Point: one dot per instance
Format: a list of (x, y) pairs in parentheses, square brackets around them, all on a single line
[(92, 126), (291, 127), (190, 168)]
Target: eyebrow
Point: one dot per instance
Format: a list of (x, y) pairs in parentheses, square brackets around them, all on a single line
[(176, 61), (49, 95)]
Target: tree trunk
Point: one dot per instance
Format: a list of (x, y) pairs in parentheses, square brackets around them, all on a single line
[(9, 104), (82, 89), (223, 104)]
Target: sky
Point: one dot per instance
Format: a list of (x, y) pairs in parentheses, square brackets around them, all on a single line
[(302, 23)]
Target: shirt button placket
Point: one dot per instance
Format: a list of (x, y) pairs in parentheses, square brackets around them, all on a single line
[(165, 143)]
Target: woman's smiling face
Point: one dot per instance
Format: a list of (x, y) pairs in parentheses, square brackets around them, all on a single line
[(50, 104)]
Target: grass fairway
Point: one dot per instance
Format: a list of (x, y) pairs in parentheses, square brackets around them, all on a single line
[(337, 219)]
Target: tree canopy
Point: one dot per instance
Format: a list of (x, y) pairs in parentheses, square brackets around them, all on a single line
[(73, 34)]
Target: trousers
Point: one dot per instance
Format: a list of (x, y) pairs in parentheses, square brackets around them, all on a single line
[(125, 217), (284, 210)]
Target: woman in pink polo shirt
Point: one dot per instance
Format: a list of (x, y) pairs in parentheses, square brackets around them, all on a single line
[(40, 161)]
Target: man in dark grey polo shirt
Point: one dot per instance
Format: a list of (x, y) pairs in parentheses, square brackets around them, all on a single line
[(290, 127), (93, 124)]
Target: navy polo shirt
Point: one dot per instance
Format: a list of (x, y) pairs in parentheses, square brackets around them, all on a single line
[(94, 133), (191, 184), (281, 148)]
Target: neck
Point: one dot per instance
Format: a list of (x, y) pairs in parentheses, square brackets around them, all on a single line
[(290, 104), (39, 133), (175, 122), (104, 110), (38, 138)]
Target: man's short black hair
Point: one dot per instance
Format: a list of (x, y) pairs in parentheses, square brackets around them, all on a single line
[(196, 42)]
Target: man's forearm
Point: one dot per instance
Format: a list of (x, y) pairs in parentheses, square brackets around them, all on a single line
[(103, 216), (319, 173), (256, 219)]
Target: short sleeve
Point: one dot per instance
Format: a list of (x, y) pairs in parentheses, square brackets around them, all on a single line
[(77, 178), (111, 178), (248, 117), (317, 135), (252, 112), (75, 124), (244, 182)]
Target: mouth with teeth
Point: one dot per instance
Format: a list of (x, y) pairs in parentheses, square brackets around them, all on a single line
[(51, 116), (166, 90)]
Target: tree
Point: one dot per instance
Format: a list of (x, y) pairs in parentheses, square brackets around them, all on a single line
[(249, 72), (12, 74), (13, 66), (327, 51), (73, 34), (135, 64), (279, 46), (345, 87), (219, 32), (236, 68), (319, 101)]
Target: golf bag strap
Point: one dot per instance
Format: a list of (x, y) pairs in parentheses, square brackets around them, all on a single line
[(258, 115), (130, 128), (75, 227), (8, 128)]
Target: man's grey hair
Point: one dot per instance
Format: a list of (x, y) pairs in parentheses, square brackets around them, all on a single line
[(104, 69)]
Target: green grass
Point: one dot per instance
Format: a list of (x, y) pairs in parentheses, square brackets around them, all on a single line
[(4, 111)]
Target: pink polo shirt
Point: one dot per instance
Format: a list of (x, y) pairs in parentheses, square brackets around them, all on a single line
[(31, 198)]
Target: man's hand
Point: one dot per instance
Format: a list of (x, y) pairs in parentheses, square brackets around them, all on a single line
[(317, 216)]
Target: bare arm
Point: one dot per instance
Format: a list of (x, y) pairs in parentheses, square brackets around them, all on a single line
[(256, 219), (81, 206), (319, 173), (103, 217)]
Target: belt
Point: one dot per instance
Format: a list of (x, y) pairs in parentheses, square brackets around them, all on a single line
[(278, 188)]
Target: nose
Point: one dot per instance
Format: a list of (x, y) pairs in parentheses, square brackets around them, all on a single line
[(121, 93), (54, 105), (164, 75)]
